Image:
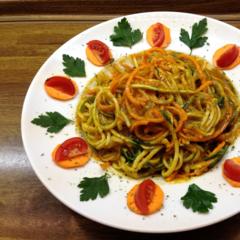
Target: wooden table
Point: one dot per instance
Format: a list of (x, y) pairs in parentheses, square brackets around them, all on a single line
[(27, 209)]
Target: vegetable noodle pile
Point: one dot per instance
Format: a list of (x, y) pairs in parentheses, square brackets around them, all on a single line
[(159, 112)]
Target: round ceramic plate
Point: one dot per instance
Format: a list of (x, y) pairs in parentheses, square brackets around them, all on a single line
[(112, 210)]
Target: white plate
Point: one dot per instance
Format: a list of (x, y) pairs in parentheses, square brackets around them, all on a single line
[(112, 209)]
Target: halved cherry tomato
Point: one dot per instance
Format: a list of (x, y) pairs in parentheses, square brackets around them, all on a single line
[(227, 56), (98, 53), (231, 169), (144, 195), (145, 198), (74, 162), (71, 148), (60, 87), (158, 35)]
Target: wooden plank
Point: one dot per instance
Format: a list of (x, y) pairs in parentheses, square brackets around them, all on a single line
[(11, 7), (90, 18)]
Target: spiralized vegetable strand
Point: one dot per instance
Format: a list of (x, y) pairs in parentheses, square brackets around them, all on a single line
[(159, 112)]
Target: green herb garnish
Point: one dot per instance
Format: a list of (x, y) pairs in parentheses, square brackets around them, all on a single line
[(198, 199), (220, 102), (197, 37), (166, 116), (92, 187), (124, 35), (74, 67), (186, 105), (131, 154), (53, 121), (137, 141)]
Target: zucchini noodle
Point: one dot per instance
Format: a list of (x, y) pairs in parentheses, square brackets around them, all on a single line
[(159, 112)]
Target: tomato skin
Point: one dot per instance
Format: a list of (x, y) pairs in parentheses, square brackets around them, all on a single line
[(228, 57), (70, 148), (100, 51), (158, 35), (62, 84), (144, 195), (231, 169)]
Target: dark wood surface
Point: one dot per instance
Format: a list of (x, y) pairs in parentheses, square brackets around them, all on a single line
[(27, 209), (116, 6)]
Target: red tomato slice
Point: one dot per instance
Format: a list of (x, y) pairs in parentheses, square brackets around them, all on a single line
[(228, 57), (62, 84), (70, 148), (144, 195), (100, 50), (231, 169), (158, 35)]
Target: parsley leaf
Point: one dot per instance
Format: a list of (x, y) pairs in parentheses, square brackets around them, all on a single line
[(197, 39), (73, 67), (198, 199), (92, 187), (53, 121), (124, 35)]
